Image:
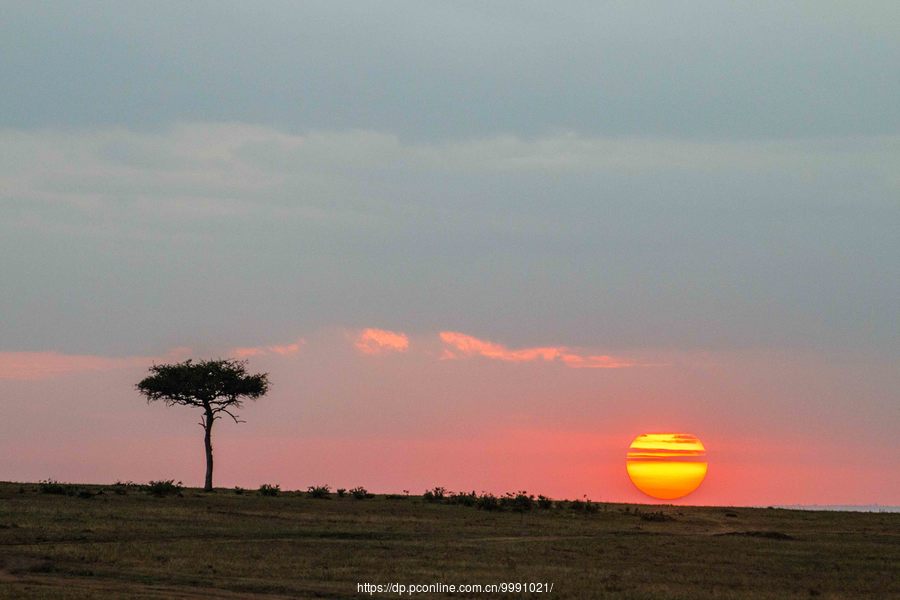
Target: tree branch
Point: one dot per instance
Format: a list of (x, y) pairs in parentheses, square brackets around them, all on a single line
[(228, 412)]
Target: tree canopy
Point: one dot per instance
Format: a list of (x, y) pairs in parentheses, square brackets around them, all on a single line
[(218, 385)]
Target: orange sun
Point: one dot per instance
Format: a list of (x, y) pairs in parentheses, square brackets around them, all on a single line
[(666, 465)]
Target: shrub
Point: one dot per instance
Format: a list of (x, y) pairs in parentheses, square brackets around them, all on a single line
[(585, 505), (396, 497), (463, 498), (487, 502), (268, 489), (164, 487), (361, 493), (341, 492), (239, 490), (435, 495), (544, 502), (51, 486), (122, 488), (319, 491), (521, 501)]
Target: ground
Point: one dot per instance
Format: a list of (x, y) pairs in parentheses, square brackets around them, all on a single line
[(125, 543)]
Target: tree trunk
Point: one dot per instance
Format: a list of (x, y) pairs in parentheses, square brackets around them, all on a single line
[(207, 439)]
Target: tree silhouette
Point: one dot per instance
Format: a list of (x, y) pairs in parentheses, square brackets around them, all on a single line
[(216, 386)]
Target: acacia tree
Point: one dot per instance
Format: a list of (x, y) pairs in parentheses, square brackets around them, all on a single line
[(215, 386)]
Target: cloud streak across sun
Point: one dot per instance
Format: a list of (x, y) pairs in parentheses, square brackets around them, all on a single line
[(460, 345)]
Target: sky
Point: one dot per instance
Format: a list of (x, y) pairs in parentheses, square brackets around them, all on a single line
[(475, 245)]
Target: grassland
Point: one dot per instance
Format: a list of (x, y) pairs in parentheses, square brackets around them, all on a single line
[(225, 545)]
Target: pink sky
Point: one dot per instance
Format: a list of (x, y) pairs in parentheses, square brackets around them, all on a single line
[(393, 411)]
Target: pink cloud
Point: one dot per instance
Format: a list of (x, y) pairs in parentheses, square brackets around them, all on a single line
[(43, 365), (381, 341), (280, 350), (462, 345)]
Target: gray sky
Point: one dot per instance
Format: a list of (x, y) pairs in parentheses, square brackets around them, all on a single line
[(697, 174), (428, 70)]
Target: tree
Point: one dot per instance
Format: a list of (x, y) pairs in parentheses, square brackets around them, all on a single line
[(216, 386)]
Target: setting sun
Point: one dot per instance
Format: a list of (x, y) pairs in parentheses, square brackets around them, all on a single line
[(666, 466)]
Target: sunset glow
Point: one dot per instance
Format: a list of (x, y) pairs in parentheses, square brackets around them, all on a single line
[(472, 246), (666, 466)]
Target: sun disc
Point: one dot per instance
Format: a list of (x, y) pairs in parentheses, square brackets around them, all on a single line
[(666, 466)]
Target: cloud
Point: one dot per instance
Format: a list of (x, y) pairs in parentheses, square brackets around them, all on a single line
[(665, 234), (44, 365), (462, 345), (381, 341), (204, 169), (279, 350)]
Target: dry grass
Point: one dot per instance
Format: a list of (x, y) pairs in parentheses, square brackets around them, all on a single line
[(225, 545)]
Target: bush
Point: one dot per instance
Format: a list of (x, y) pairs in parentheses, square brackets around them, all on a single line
[(268, 489), (487, 502), (239, 490), (319, 491), (164, 487), (435, 495), (361, 493), (51, 486), (521, 501), (544, 502), (122, 488), (341, 492), (584, 505), (463, 498)]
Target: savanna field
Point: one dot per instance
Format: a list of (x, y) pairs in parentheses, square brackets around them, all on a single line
[(121, 541)]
